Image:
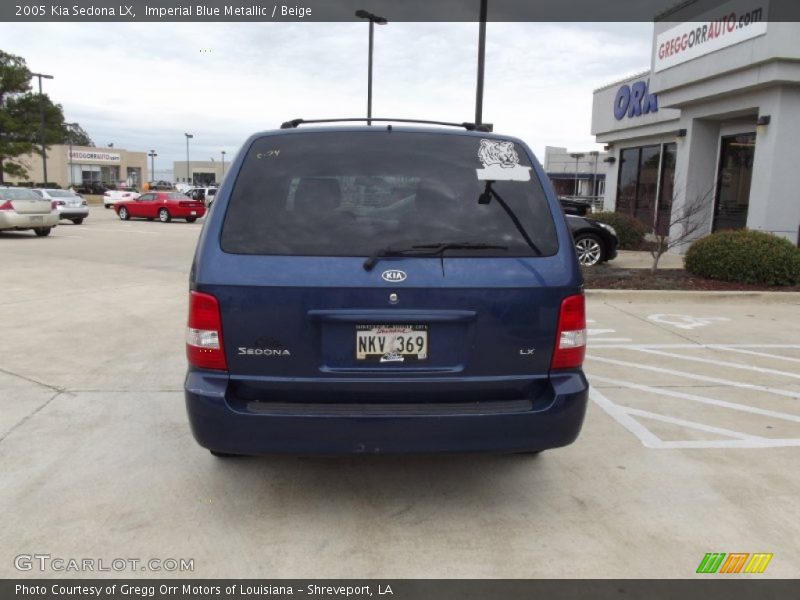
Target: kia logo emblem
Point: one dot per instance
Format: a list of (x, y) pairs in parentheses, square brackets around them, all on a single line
[(393, 276)]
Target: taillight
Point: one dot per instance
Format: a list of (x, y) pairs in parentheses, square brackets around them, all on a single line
[(6, 205), (570, 345), (204, 333)]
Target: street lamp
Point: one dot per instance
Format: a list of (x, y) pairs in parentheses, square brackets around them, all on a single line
[(152, 154), (41, 123), (363, 14), (223, 165), (188, 137), (576, 156), (596, 154), (69, 127)]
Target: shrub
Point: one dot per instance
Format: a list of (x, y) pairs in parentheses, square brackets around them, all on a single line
[(629, 230), (745, 257)]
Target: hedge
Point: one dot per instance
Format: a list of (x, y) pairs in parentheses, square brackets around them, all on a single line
[(629, 230), (745, 257)]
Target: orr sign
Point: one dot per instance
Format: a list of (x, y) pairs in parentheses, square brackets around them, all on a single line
[(94, 156)]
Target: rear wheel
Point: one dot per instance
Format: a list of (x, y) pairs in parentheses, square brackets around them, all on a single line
[(77, 221), (589, 249), (123, 213), (42, 231), (191, 219), (164, 216), (107, 205)]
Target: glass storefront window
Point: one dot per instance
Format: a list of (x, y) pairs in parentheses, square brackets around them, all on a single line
[(645, 183)]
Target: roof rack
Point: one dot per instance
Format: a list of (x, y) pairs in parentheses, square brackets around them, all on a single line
[(468, 126)]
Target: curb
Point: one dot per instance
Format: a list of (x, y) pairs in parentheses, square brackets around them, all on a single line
[(662, 296)]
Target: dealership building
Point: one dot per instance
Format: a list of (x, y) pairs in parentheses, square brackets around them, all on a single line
[(82, 165), (713, 124)]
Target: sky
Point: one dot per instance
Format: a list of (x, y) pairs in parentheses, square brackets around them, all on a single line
[(141, 86)]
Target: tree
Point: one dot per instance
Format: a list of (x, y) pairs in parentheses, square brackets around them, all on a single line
[(686, 220), (20, 117), (76, 136)]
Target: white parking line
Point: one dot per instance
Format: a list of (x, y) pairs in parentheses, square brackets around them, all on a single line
[(695, 398), (691, 424), (647, 437), (752, 352), (719, 363), (720, 381)]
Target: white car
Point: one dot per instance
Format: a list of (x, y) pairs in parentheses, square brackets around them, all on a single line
[(21, 208), (68, 204), (111, 197), (205, 195)]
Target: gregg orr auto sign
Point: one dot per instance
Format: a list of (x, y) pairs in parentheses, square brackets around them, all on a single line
[(89, 155), (730, 24)]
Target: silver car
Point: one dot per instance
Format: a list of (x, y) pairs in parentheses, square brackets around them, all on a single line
[(21, 209), (69, 206)]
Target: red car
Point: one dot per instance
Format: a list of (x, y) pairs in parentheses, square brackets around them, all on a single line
[(163, 206)]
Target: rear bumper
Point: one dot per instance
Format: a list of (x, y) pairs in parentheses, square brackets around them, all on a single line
[(499, 427), (14, 220)]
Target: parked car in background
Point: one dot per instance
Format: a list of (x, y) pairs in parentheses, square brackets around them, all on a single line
[(111, 197), (575, 206), (595, 242), (163, 206), (205, 195), (95, 188), (69, 205), (22, 209)]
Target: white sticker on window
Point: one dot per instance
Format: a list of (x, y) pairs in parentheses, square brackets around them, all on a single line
[(500, 162)]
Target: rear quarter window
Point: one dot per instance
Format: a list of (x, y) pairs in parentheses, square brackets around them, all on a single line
[(351, 193)]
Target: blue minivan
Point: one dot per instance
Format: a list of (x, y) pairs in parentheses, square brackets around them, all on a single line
[(385, 289)]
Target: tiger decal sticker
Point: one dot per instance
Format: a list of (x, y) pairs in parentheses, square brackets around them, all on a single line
[(500, 162)]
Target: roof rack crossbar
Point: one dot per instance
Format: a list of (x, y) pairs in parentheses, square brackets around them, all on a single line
[(294, 123)]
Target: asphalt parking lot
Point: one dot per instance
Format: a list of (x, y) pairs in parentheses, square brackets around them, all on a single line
[(690, 445)]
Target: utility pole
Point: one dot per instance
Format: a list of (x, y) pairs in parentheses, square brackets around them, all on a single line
[(41, 123), (69, 127), (481, 63), (223, 165), (152, 154), (363, 14), (188, 137)]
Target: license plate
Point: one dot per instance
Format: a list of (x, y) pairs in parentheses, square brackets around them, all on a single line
[(37, 219), (193, 212), (391, 343)]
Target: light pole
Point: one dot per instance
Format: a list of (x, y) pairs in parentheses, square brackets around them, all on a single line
[(152, 154), (576, 156), (188, 137), (594, 153), (363, 14), (69, 127), (223, 166), (481, 61), (41, 123)]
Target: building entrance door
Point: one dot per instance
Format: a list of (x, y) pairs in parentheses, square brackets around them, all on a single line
[(733, 181)]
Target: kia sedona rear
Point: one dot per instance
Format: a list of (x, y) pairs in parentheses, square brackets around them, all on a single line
[(385, 289)]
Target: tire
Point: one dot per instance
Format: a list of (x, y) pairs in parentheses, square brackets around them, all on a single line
[(42, 231), (590, 249), (191, 219), (123, 213), (107, 205), (77, 221), (164, 216)]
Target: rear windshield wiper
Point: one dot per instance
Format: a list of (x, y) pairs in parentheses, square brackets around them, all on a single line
[(486, 197), (436, 249)]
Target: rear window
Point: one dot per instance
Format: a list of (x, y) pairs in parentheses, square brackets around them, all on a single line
[(18, 194), (352, 193), (61, 193)]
